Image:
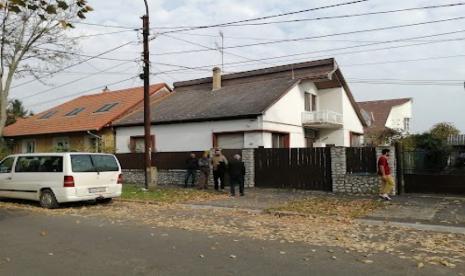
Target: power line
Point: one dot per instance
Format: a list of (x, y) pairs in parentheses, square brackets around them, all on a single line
[(352, 15), (83, 92), (267, 17), (211, 48), (401, 61), (103, 34), (75, 64), (75, 80), (105, 25), (318, 36), (329, 17), (352, 52), (83, 55)]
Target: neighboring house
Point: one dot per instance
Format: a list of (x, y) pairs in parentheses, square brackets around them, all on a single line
[(382, 115), (298, 105), (82, 124)]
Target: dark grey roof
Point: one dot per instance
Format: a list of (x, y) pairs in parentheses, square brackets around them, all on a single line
[(235, 101), (243, 94)]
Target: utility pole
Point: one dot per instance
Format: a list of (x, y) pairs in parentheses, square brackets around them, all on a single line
[(147, 119)]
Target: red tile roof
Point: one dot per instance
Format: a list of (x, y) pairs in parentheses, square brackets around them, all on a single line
[(87, 119), (381, 110)]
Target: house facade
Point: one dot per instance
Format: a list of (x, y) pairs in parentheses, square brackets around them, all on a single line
[(392, 114), (82, 124), (298, 105)]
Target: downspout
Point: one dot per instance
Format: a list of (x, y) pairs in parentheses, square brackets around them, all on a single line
[(330, 74), (96, 137)]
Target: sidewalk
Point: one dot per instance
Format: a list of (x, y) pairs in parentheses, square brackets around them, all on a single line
[(423, 209), (436, 213)]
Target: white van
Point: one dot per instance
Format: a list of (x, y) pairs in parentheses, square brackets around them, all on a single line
[(53, 178)]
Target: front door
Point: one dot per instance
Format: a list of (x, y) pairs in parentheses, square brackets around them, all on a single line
[(6, 172)]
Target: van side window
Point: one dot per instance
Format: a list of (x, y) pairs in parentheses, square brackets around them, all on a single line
[(39, 164), (105, 163), (6, 165), (82, 163), (51, 164), (27, 164)]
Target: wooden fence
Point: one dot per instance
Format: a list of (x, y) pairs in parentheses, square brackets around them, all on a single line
[(296, 168), (165, 160), (361, 160)]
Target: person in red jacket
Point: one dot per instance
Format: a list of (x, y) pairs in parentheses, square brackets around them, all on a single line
[(384, 172)]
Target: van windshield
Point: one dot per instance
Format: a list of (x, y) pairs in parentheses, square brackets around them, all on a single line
[(94, 163)]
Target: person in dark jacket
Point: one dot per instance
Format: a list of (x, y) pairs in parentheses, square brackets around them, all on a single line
[(219, 164), (236, 175), (192, 165)]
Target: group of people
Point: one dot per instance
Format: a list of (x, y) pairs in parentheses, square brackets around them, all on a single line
[(220, 165), (235, 168)]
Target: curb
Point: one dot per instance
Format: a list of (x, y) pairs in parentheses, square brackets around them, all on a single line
[(416, 226)]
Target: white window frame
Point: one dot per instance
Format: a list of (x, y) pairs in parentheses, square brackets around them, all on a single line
[(26, 143)]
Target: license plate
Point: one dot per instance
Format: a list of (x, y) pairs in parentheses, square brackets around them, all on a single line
[(97, 190)]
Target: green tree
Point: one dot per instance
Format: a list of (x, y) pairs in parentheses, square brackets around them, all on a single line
[(16, 110), (443, 131), (33, 40)]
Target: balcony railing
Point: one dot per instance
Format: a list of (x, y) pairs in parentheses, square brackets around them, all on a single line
[(323, 118)]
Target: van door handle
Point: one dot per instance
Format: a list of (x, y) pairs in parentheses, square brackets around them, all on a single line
[(8, 178)]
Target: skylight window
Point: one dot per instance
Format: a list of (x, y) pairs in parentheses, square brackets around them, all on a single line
[(48, 115), (106, 107), (75, 111)]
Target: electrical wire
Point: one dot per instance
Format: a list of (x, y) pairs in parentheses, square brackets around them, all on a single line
[(74, 64), (318, 36)]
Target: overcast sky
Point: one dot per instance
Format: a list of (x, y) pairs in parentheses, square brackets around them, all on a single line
[(437, 63)]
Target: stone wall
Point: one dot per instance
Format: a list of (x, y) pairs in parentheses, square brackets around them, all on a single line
[(134, 176), (176, 177), (355, 183)]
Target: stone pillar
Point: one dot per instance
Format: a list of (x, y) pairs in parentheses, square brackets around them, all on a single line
[(248, 156), (392, 163), (338, 169)]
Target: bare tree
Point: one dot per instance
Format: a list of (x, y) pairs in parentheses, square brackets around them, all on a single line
[(34, 41)]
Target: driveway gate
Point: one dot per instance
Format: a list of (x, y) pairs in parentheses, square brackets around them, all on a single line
[(434, 172), (296, 168)]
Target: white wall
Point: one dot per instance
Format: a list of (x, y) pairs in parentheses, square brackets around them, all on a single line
[(398, 114), (352, 122), (187, 136), (288, 109), (331, 99)]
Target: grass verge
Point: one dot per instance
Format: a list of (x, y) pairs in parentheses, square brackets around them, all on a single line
[(167, 194)]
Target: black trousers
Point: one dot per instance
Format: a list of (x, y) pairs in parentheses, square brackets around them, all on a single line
[(237, 181), (190, 173), (218, 175)]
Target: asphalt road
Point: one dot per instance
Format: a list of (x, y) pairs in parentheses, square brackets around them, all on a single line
[(35, 244)]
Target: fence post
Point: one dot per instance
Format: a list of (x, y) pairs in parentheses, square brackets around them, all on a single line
[(248, 157), (400, 172), (338, 169)]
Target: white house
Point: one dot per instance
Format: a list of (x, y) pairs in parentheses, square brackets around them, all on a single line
[(297, 105), (394, 114)]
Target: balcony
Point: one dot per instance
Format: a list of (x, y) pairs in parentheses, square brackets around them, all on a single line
[(322, 119)]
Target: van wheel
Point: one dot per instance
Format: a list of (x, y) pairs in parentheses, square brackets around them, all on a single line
[(105, 200), (48, 200)]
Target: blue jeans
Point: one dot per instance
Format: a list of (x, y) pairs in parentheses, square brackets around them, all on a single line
[(190, 173)]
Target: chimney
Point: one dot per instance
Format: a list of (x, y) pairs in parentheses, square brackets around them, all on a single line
[(216, 79), (105, 90)]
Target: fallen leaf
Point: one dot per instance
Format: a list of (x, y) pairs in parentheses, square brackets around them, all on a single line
[(420, 265), (232, 256), (43, 233)]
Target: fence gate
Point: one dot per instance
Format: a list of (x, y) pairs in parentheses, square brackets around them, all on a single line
[(296, 168), (434, 172)]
